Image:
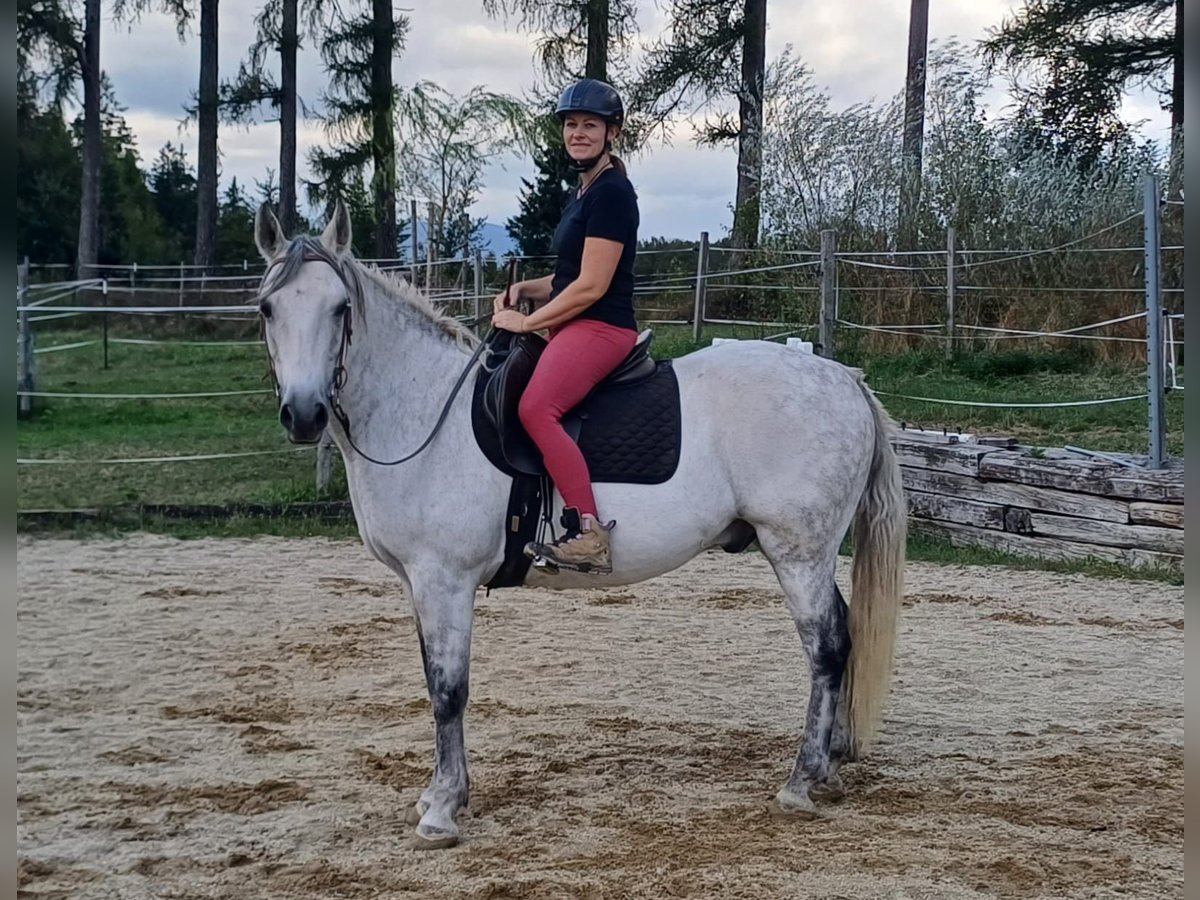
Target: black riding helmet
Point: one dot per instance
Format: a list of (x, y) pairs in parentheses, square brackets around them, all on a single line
[(596, 98), (592, 96)]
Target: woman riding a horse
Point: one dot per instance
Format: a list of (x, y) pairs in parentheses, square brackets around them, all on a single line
[(587, 308)]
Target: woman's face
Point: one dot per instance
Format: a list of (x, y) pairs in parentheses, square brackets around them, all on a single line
[(585, 136)]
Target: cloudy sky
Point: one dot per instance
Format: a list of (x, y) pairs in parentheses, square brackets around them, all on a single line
[(856, 48)]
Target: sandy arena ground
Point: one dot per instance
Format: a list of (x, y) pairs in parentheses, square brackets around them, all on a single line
[(247, 719)]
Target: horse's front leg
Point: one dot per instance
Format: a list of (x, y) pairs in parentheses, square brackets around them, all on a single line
[(443, 609)]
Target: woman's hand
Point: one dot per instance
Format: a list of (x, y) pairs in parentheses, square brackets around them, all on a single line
[(509, 320), (513, 295)]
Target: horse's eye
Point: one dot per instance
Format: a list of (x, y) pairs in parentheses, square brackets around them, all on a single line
[(265, 309), (340, 309)]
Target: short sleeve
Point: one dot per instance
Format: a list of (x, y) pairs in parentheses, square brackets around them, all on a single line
[(611, 214)]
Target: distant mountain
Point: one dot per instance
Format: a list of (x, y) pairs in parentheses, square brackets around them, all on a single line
[(495, 239)]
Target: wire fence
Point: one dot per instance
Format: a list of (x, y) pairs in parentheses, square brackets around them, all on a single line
[(853, 301)]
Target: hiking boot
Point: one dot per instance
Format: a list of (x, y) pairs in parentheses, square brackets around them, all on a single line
[(578, 550)]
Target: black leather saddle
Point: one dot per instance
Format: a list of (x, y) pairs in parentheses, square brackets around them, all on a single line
[(628, 427)]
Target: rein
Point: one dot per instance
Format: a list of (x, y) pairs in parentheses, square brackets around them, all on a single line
[(340, 375)]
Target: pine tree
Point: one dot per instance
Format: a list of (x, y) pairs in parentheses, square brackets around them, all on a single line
[(174, 188), (358, 51), (542, 202), (1082, 56), (694, 64)]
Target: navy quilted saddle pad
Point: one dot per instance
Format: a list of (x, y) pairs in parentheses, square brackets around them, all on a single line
[(628, 427)]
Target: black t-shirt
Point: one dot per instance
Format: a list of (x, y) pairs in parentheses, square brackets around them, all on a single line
[(608, 209)]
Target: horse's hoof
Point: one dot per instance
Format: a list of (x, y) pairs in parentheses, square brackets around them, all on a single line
[(828, 791), (791, 805), (413, 815), (434, 839)]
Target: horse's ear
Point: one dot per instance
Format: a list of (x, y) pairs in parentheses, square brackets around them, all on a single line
[(336, 236), (268, 233)]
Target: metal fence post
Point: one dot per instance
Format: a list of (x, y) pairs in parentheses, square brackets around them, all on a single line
[(701, 288), (828, 320), (25, 374), (951, 288), (1151, 214)]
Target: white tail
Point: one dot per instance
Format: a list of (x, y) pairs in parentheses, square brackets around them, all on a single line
[(876, 584)]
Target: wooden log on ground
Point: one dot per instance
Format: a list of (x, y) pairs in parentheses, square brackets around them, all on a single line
[(1084, 476), (1167, 515), (1045, 547), (1006, 494), (954, 509), (1109, 534), (961, 459)]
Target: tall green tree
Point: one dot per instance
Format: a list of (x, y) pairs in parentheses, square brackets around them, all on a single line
[(129, 224), (59, 45), (1082, 57), (358, 51), (914, 123), (173, 185), (235, 227), (206, 107), (542, 201), (47, 191), (576, 38), (692, 66), (281, 26), (206, 150)]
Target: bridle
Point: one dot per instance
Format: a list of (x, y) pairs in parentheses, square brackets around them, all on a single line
[(340, 375)]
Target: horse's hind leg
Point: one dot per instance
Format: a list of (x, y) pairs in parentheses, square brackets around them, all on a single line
[(819, 611)]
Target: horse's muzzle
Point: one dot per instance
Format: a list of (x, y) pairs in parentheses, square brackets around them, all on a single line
[(304, 422)]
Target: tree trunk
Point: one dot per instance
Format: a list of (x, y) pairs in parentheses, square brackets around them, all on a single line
[(206, 152), (289, 42), (1177, 75), (383, 132), (914, 125), (596, 65), (750, 125), (93, 147)]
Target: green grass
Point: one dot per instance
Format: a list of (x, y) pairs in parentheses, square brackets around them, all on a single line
[(1019, 376), (91, 429), (102, 429)]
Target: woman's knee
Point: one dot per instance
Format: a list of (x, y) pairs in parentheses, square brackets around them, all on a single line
[(535, 414)]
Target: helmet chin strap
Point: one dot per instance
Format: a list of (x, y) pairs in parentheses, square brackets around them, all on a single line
[(579, 166)]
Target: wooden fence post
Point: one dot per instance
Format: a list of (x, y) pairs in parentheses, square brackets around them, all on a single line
[(828, 320), (412, 239), (429, 251), (26, 378), (951, 288), (325, 451), (701, 288), (104, 320), (478, 287)]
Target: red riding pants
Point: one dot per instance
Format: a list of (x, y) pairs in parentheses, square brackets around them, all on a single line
[(578, 357)]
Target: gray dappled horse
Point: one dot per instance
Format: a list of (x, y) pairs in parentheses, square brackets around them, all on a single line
[(790, 444)]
